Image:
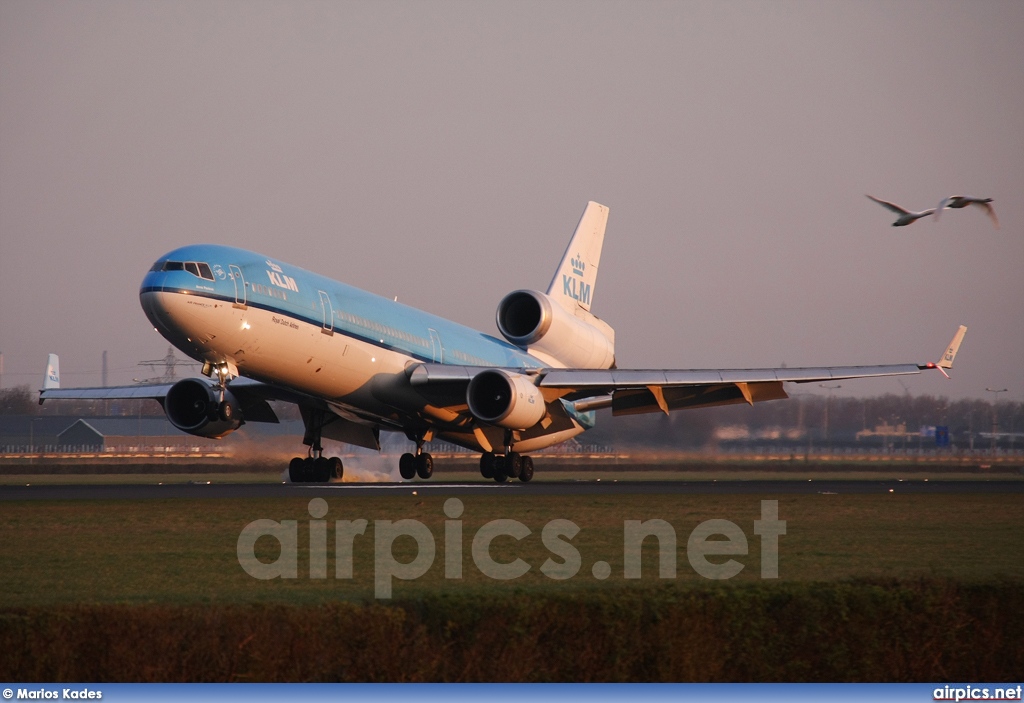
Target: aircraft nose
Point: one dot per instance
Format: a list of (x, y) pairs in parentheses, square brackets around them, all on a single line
[(152, 305)]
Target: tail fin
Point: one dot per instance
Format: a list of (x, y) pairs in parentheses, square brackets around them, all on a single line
[(576, 275), (52, 378)]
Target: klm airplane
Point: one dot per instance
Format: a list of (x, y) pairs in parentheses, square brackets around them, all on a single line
[(357, 364)]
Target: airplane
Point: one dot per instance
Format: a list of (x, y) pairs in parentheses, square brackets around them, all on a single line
[(357, 364)]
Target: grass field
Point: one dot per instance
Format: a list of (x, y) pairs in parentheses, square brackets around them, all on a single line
[(892, 587), (185, 551)]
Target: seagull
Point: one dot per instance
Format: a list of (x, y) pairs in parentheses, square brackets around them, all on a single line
[(906, 217), (956, 202)]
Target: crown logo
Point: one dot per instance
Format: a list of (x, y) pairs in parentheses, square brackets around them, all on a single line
[(578, 267)]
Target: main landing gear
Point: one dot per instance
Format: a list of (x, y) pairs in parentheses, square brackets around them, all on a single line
[(315, 470), (511, 465), (419, 464), (412, 465)]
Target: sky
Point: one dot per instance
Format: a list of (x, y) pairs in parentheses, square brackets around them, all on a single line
[(442, 152)]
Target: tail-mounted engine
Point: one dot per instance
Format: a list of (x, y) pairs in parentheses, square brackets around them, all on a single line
[(505, 399), (531, 320), (195, 407)]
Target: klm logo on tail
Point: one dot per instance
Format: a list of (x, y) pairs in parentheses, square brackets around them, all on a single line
[(573, 287), (577, 271)]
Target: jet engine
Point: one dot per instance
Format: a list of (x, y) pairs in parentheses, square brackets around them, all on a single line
[(532, 320), (505, 399), (195, 407)]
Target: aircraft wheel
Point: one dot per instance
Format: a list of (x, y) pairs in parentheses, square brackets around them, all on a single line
[(425, 465), (499, 469), (487, 464), (225, 412), (308, 469), (337, 469), (513, 464), (526, 473), (297, 470), (321, 470), (407, 466)]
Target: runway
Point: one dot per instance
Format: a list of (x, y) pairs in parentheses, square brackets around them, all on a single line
[(512, 490)]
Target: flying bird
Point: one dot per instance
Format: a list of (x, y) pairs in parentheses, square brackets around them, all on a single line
[(906, 217), (955, 202)]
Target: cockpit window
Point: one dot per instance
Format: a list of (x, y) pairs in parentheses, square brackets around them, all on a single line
[(196, 268)]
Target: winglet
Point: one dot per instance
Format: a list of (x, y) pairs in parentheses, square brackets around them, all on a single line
[(52, 378), (946, 362)]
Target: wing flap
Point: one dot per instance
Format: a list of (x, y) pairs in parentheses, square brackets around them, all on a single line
[(638, 401), (605, 380)]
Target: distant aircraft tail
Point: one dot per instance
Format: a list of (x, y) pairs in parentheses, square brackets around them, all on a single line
[(52, 378), (576, 275)]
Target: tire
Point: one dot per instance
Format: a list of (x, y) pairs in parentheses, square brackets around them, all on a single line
[(407, 466), (321, 470), (337, 468), (225, 412), (499, 470), (513, 464), (425, 466), (527, 471), (487, 465), (297, 470)]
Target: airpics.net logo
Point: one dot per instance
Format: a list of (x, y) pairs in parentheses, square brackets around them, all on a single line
[(706, 545)]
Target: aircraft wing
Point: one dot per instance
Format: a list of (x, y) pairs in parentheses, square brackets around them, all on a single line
[(333, 421), (136, 392), (634, 391)]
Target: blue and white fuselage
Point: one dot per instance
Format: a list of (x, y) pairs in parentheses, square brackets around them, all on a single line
[(249, 301), (282, 325)]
